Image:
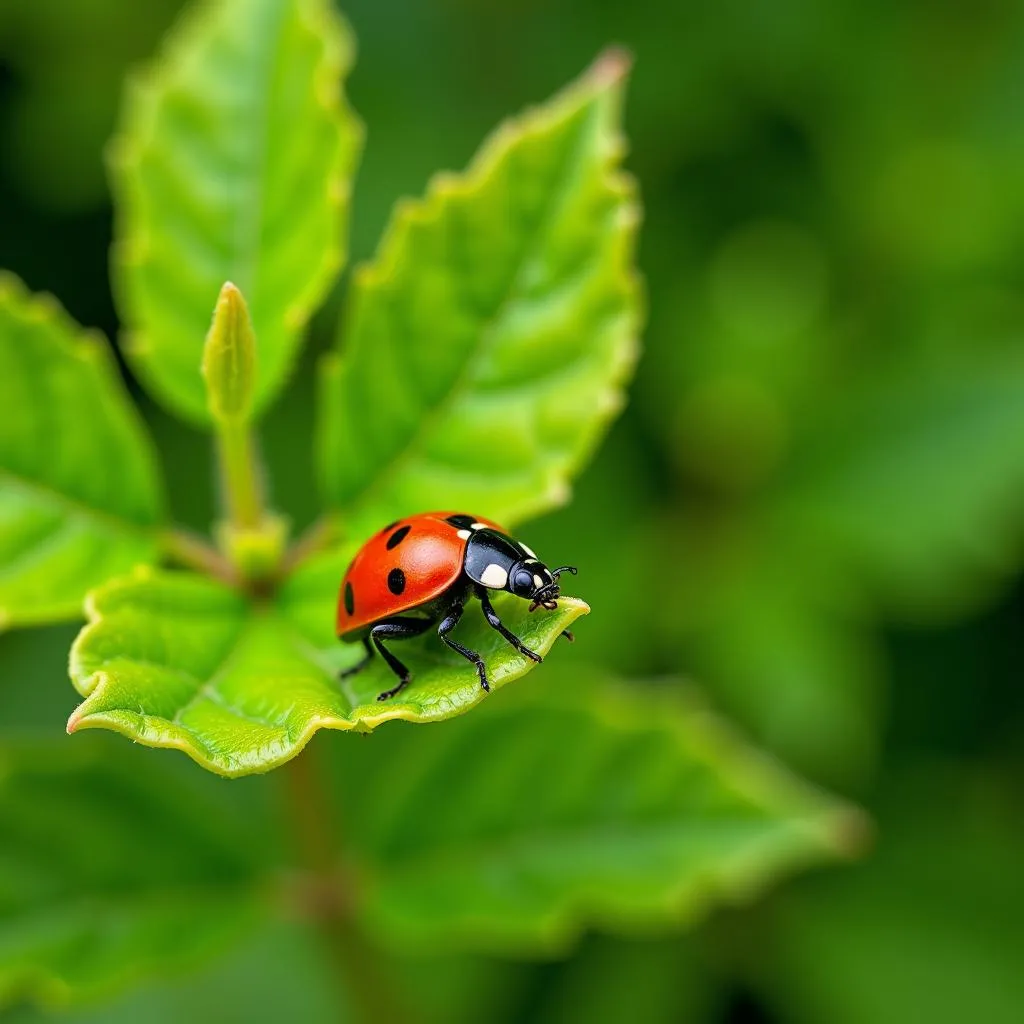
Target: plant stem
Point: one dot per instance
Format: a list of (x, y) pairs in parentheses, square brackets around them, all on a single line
[(241, 474), (330, 904), (190, 550)]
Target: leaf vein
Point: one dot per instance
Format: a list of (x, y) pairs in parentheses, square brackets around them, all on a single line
[(433, 416)]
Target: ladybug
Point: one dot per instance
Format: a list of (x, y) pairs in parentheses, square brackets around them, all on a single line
[(419, 572)]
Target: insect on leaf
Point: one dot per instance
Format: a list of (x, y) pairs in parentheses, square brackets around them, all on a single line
[(178, 660)]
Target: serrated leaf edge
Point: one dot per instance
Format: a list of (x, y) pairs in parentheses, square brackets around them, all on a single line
[(92, 686), (89, 345), (830, 829), (606, 73)]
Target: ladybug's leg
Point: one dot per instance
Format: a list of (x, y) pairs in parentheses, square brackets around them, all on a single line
[(396, 629), (448, 623), (496, 623), (361, 664)]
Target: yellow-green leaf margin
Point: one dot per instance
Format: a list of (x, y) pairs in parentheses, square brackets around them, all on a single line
[(488, 343), (80, 494), (173, 659)]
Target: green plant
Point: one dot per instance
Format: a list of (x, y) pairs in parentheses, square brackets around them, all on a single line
[(483, 352)]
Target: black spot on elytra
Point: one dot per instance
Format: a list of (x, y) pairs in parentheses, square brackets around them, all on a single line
[(396, 581), (461, 522), (397, 537), (350, 599)]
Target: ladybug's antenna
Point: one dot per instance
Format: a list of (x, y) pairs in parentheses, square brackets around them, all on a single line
[(565, 568)]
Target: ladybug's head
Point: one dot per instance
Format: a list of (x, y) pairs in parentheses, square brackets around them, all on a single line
[(500, 562), (536, 583)]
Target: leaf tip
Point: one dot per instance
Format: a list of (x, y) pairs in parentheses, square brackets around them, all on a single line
[(559, 492), (613, 64), (231, 305)]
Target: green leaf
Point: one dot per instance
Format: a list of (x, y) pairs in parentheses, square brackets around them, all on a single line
[(915, 480), (79, 492), (804, 678), (178, 660), (489, 341), (778, 641), (234, 163), (275, 973), (930, 929), (111, 870), (574, 803)]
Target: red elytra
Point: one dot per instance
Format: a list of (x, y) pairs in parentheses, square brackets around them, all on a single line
[(429, 554)]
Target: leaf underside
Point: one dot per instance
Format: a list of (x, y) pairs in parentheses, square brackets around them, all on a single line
[(79, 494), (109, 873), (234, 163), (489, 341), (576, 802), (177, 660)]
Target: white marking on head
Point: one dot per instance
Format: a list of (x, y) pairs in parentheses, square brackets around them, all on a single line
[(494, 577), (479, 526), (528, 551), (537, 581), (464, 534)]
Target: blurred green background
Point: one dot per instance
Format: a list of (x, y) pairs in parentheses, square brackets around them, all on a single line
[(812, 506)]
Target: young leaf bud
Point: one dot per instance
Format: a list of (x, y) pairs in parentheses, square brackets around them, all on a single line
[(229, 358)]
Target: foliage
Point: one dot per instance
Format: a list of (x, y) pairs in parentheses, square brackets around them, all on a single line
[(68, 521), (467, 859), (500, 314), (168, 880), (652, 814), (910, 917), (811, 505), (201, 200), (179, 660), (233, 163), (478, 367)]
